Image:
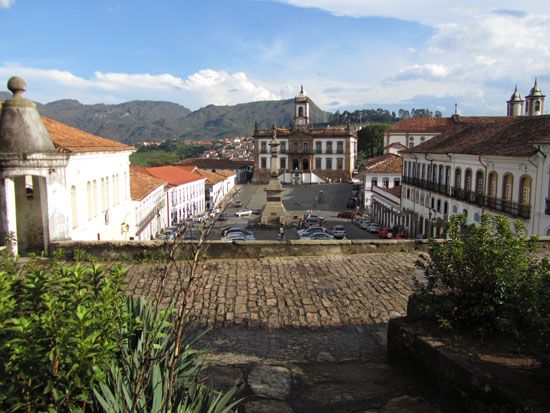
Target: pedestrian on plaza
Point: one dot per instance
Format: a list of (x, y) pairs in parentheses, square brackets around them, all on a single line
[(282, 232)]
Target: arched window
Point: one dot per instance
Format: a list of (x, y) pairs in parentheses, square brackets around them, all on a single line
[(300, 111), (493, 182), (103, 196), (537, 105), (525, 190), (94, 193), (468, 180), (479, 182), (477, 217), (74, 207), (107, 193), (423, 171), (458, 178), (89, 193), (507, 187), (440, 178)]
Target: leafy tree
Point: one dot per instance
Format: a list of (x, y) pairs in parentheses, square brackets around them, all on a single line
[(487, 278), (361, 159), (370, 139)]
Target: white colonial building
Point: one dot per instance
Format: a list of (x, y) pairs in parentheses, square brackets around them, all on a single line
[(185, 192), (490, 165), (306, 154), (148, 194), (98, 182), (58, 182), (217, 184), (383, 172)]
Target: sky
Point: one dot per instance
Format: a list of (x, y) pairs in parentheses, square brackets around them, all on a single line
[(348, 54)]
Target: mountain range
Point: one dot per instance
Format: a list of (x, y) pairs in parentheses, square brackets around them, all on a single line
[(144, 120)]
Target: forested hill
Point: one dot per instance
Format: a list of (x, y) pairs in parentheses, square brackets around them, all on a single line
[(136, 121), (144, 120)]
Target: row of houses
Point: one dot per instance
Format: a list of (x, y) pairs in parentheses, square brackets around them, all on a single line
[(59, 183), (473, 165)]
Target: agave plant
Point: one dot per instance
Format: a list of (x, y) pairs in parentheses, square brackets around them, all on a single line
[(157, 372)]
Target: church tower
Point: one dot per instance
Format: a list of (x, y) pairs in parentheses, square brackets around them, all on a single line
[(301, 109), (515, 104), (534, 103)]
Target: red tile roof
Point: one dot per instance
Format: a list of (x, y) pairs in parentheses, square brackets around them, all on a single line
[(506, 136), (173, 175), (142, 184), (438, 125), (72, 140), (388, 163), (395, 191)]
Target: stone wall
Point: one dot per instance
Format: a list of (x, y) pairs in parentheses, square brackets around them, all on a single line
[(120, 250)]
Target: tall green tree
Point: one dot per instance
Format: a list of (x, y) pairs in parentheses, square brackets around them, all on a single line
[(371, 139)]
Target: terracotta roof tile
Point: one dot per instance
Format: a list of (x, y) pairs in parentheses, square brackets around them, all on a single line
[(395, 191), (438, 125), (212, 178), (504, 136), (173, 175), (72, 140), (142, 184), (389, 163)]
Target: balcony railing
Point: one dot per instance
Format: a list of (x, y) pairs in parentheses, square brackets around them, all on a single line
[(476, 198), (149, 217)]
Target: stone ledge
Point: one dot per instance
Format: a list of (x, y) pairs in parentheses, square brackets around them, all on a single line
[(464, 379), (120, 250)]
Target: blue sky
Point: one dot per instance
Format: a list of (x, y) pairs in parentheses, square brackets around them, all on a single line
[(347, 53)]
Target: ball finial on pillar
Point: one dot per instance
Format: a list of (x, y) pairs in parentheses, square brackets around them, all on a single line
[(17, 85)]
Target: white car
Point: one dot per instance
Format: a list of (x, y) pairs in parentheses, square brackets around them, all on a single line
[(310, 230), (243, 212), (317, 236), (374, 227)]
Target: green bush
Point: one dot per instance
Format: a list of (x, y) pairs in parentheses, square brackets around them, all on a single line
[(487, 279), (59, 330), (70, 341)]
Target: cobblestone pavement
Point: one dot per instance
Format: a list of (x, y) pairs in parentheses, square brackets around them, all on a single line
[(288, 291)]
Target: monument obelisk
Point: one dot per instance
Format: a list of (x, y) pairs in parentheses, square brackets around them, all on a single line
[(274, 210)]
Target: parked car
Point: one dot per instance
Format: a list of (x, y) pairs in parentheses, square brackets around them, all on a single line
[(364, 224), (373, 227), (318, 236), (238, 231), (346, 214), (237, 204), (351, 203), (222, 217), (339, 232), (239, 236), (385, 233), (243, 212), (307, 232)]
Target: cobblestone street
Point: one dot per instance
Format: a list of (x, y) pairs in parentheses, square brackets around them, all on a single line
[(290, 291)]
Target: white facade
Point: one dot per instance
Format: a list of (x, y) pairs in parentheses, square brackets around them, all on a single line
[(517, 187), (381, 180), (98, 201), (219, 191), (409, 140), (151, 215), (185, 201)]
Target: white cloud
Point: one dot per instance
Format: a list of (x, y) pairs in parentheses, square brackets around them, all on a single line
[(6, 3), (425, 71), (430, 12), (204, 87)]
